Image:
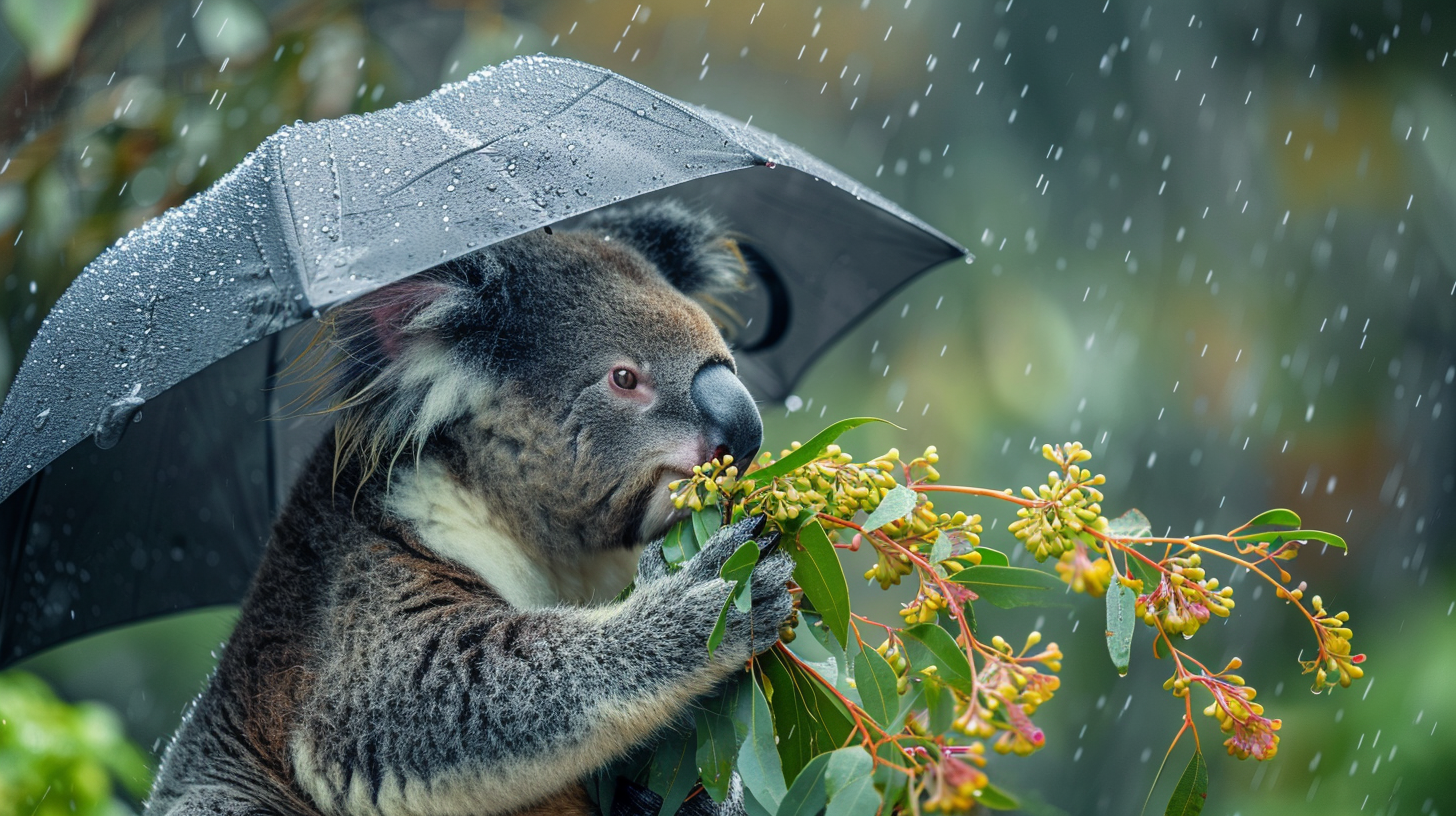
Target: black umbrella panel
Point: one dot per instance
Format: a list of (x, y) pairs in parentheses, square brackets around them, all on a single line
[(154, 350)]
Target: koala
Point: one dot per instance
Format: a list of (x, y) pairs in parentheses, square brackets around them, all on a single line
[(435, 627)]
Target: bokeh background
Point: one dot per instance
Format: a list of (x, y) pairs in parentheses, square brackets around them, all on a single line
[(1215, 241)]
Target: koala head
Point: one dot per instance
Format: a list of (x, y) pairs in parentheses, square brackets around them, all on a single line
[(565, 377)]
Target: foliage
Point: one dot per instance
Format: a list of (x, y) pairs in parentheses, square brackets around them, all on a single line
[(901, 717), (58, 759)]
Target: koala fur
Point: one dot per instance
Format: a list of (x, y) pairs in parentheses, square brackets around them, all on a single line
[(432, 631)]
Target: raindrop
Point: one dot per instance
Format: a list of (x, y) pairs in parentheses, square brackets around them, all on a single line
[(40, 418), (112, 422)]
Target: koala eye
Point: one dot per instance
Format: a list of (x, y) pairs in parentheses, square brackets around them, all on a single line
[(624, 378)]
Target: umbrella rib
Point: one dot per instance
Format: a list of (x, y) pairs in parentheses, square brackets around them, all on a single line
[(486, 146)]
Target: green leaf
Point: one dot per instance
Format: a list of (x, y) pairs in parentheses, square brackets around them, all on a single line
[(758, 759), (941, 708), (1141, 571), (858, 798), (808, 719), (892, 782), (674, 771), (705, 523), (914, 695), (928, 644), (807, 796), (818, 571), (941, 549), (997, 799), (717, 742), (993, 558), (720, 627), (1132, 524), (738, 571), (1010, 587), (1121, 607), (849, 783), (876, 683), (1277, 516), (896, 504), (812, 449), (680, 543), (1295, 535), (753, 807), (1192, 790)]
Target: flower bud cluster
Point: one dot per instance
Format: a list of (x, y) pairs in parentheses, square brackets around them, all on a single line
[(1064, 507), (1085, 571), (955, 783), (1185, 598), (1251, 734), (1011, 688), (1335, 664), (895, 656), (925, 606), (704, 487)]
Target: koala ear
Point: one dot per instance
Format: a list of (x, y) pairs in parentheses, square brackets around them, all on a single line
[(691, 249), (376, 326)]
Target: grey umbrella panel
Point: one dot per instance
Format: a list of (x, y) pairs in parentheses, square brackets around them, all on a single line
[(164, 326)]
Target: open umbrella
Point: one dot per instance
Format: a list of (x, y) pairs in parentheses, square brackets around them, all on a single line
[(165, 349)]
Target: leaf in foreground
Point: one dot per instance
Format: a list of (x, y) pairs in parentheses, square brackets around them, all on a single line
[(1121, 609), (812, 449), (1010, 587), (876, 683), (1192, 790), (896, 504), (674, 771), (758, 759), (818, 571)]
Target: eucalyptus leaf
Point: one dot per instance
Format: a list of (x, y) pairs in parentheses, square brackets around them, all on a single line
[(807, 796), (818, 571), (705, 523), (996, 799), (896, 505), (928, 644), (808, 719), (738, 571), (680, 543), (1010, 587), (940, 707), (720, 627), (717, 742), (758, 758), (1132, 524), (1121, 617), (876, 682), (1295, 535), (993, 558), (1140, 570), (812, 449), (849, 783), (1277, 516), (858, 798), (1192, 790), (674, 771)]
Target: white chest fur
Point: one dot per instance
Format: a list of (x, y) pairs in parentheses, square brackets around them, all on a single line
[(457, 524)]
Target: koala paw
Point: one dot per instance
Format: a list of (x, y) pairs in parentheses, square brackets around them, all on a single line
[(700, 592)]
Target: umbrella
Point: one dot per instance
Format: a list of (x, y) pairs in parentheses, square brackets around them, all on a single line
[(165, 349)]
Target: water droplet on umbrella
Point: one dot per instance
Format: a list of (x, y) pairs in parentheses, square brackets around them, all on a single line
[(114, 418), (40, 418)]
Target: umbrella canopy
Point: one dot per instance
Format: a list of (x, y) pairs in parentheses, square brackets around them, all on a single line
[(154, 351)]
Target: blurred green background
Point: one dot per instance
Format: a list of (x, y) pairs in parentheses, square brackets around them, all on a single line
[(1214, 241)]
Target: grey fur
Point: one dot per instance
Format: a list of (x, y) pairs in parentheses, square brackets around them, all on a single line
[(393, 656)]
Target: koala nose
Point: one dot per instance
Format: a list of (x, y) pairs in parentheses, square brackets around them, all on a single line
[(733, 424)]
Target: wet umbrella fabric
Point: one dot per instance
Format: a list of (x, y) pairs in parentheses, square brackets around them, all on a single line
[(165, 349)]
